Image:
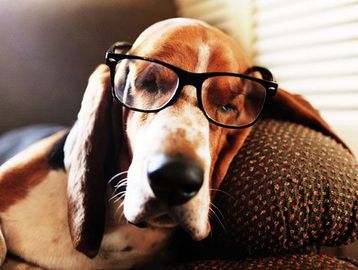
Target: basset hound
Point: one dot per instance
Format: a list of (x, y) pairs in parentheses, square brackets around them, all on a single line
[(161, 122)]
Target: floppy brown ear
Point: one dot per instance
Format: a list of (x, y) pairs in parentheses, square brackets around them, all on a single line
[(95, 148), (296, 109), (89, 155)]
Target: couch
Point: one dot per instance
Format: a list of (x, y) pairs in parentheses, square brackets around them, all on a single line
[(289, 193), (49, 49)]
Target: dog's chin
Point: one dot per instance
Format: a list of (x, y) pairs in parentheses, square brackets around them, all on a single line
[(168, 221), (196, 231), (155, 214), (162, 221)]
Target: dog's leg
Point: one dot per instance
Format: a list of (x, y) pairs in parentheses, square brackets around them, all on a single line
[(17, 264)]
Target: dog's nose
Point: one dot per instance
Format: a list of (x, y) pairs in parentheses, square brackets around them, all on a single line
[(174, 180)]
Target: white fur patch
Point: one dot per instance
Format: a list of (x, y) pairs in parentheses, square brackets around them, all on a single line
[(203, 58), (36, 228), (161, 136)]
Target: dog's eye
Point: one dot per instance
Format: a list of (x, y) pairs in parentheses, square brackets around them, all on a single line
[(147, 84), (228, 108)]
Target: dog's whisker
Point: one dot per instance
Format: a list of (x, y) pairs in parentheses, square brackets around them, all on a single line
[(120, 187), (122, 183), (117, 214), (217, 217), (217, 209), (115, 195), (119, 194), (120, 217), (119, 198), (224, 192), (211, 231), (122, 180), (121, 205), (122, 214), (220, 222), (119, 208), (117, 175)]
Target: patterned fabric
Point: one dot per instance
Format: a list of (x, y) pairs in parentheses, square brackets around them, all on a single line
[(299, 262), (289, 187)]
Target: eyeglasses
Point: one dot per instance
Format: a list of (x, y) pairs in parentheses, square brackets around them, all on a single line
[(229, 100)]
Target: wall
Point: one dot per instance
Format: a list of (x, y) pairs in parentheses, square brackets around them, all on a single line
[(48, 48)]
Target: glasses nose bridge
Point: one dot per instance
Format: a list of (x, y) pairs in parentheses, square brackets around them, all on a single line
[(192, 79)]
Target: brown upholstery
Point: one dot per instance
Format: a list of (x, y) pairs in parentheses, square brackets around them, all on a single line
[(290, 187), (289, 190), (289, 262)]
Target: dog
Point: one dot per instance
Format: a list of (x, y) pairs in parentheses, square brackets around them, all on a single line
[(167, 153)]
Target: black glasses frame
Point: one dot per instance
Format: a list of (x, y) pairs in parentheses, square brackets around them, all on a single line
[(194, 79)]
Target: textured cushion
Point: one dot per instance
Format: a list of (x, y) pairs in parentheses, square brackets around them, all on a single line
[(289, 187), (280, 262)]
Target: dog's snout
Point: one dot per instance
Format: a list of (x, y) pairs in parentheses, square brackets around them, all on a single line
[(174, 180)]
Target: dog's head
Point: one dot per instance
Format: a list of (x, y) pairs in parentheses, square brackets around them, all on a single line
[(179, 156), (176, 155)]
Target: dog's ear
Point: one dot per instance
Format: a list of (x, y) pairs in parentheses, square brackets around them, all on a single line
[(296, 109), (90, 154), (86, 150)]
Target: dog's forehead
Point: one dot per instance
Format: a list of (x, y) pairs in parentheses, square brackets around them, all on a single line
[(161, 27), (185, 42)]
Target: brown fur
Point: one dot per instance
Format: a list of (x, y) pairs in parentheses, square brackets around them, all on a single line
[(19, 176), (225, 55), (90, 159)]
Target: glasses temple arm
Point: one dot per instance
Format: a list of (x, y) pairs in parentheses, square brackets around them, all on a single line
[(265, 73), (120, 47)]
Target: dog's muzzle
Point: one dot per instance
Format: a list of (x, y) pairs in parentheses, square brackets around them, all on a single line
[(174, 180)]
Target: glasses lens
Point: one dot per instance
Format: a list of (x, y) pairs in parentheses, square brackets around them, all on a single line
[(233, 101), (144, 85)]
